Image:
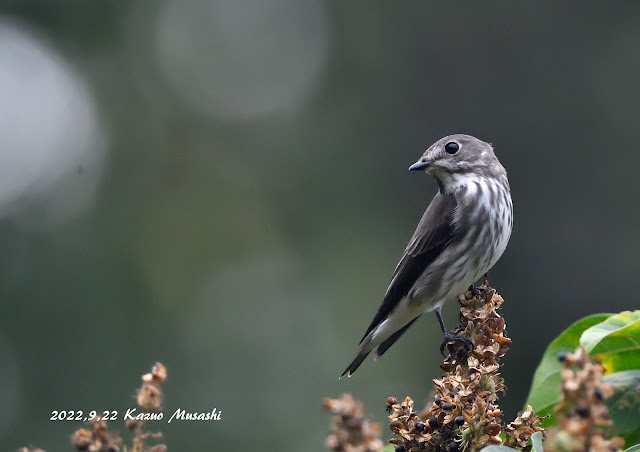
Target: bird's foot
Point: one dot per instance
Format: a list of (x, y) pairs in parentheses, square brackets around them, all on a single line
[(467, 344)]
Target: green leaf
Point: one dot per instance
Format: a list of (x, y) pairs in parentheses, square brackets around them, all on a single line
[(545, 389), (635, 448), (536, 441), (624, 404), (615, 342), (632, 438)]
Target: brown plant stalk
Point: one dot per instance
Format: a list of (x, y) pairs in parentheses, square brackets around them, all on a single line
[(465, 414)]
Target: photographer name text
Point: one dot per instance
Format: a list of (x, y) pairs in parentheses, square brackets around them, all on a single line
[(178, 415)]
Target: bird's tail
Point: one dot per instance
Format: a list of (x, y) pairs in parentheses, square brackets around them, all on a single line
[(351, 368), (365, 347), (384, 346), (371, 341)]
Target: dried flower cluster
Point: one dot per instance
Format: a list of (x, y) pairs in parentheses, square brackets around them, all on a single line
[(150, 395), (98, 439), (350, 430), (584, 418), (520, 430), (465, 413), (149, 398)]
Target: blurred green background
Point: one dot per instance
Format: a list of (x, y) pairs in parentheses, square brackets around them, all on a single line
[(222, 186)]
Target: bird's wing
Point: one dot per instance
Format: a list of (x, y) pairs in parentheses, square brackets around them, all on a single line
[(432, 235)]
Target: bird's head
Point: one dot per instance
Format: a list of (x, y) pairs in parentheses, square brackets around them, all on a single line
[(459, 159)]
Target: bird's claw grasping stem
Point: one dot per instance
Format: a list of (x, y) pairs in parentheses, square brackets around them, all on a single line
[(465, 341)]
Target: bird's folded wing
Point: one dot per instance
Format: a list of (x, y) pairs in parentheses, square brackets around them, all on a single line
[(434, 232)]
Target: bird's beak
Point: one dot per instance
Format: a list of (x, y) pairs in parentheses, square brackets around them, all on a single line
[(419, 165)]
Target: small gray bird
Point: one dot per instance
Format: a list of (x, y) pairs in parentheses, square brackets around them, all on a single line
[(461, 235)]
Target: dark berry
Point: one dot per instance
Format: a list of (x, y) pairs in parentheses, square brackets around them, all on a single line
[(581, 411), (433, 422), (459, 421), (452, 446), (599, 394), (399, 449), (562, 356), (438, 400), (419, 427), (447, 406)]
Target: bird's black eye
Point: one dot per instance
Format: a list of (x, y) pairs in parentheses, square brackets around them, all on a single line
[(451, 147)]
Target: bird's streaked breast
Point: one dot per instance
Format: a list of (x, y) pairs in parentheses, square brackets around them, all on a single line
[(483, 222)]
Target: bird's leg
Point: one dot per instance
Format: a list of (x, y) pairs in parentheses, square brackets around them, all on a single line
[(465, 341)]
